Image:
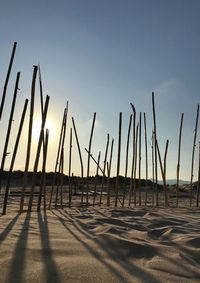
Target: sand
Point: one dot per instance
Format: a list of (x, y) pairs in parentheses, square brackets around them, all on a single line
[(101, 244)]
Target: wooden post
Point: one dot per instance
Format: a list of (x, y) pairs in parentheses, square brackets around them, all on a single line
[(198, 185), (153, 166), (146, 156), (96, 177), (28, 152), (118, 159), (7, 79), (126, 162), (69, 172), (38, 153), (14, 155), (155, 153), (5, 153), (43, 185), (109, 171), (178, 163), (133, 156), (80, 156), (104, 167), (139, 156), (88, 163), (193, 150), (135, 166)]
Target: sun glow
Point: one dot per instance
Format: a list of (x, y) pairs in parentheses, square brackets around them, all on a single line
[(50, 125)]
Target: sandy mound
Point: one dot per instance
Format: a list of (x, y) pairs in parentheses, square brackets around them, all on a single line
[(101, 245)]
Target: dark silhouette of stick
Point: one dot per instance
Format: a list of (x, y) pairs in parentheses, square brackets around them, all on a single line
[(43, 185), (152, 157), (88, 162), (5, 153), (146, 156), (198, 184), (126, 162), (155, 153), (118, 159), (38, 153), (178, 163), (7, 79), (96, 178), (28, 152), (14, 156), (104, 167), (80, 157), (57, 157), (135, 166), (139, 155), (70, 163), (109, 171), (193, 151), (133, 156)]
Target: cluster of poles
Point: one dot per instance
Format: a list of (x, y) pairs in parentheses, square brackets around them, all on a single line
[(131, 196)]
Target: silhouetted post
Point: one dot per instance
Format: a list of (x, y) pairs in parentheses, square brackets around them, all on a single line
[(38, 153), (58, 155), (178, 163), (133, 156), (163, 170), (88, 163), (96, 178), (5, 153), (61, 177), (198, 184), (42, 184), (155, 153), (146, 156), (193, 150), (28, 152), (135, 166), (126, 162), (139, 155), (70, 163), (118, 159), (153, 166), (109, 171), (7, 79), (80, 156), (104, 167), (14, 155)]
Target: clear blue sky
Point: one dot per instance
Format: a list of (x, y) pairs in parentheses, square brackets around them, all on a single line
[(102, 55)]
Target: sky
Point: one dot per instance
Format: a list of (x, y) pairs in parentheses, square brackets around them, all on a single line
[(100, 55)]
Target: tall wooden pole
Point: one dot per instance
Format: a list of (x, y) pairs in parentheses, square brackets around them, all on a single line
[(155, 153), (133, 155), (193, 151), (178, 163), (139, 156), (118, 159), (104, 167), (28, 151), (14, 155), (70, 164), (7, 79), (198, 184), (109, 171), (146, 156), (5, 153), (96, 178), (88, 162)]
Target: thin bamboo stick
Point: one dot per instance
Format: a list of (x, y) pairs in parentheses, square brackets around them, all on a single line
[(70, 163), (126, 162), (163, 170), (135, 166), (7, 79), (109, 171), (118, 159), (43, 185), (178, 163), (61, 177), (28, 151), (153, 166), (104, 168), (155, 153), (133, 155), (139, 155), (193, 151), (80, 157), (38, 153), (57, 157), (198, 184), (146, 156), (96, 177), (14, 156), (5, 153), (88, 163)]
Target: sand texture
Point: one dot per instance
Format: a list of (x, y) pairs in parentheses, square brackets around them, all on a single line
[(101, 245)]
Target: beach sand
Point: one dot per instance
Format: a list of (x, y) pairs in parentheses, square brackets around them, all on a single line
[(101, 244)]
